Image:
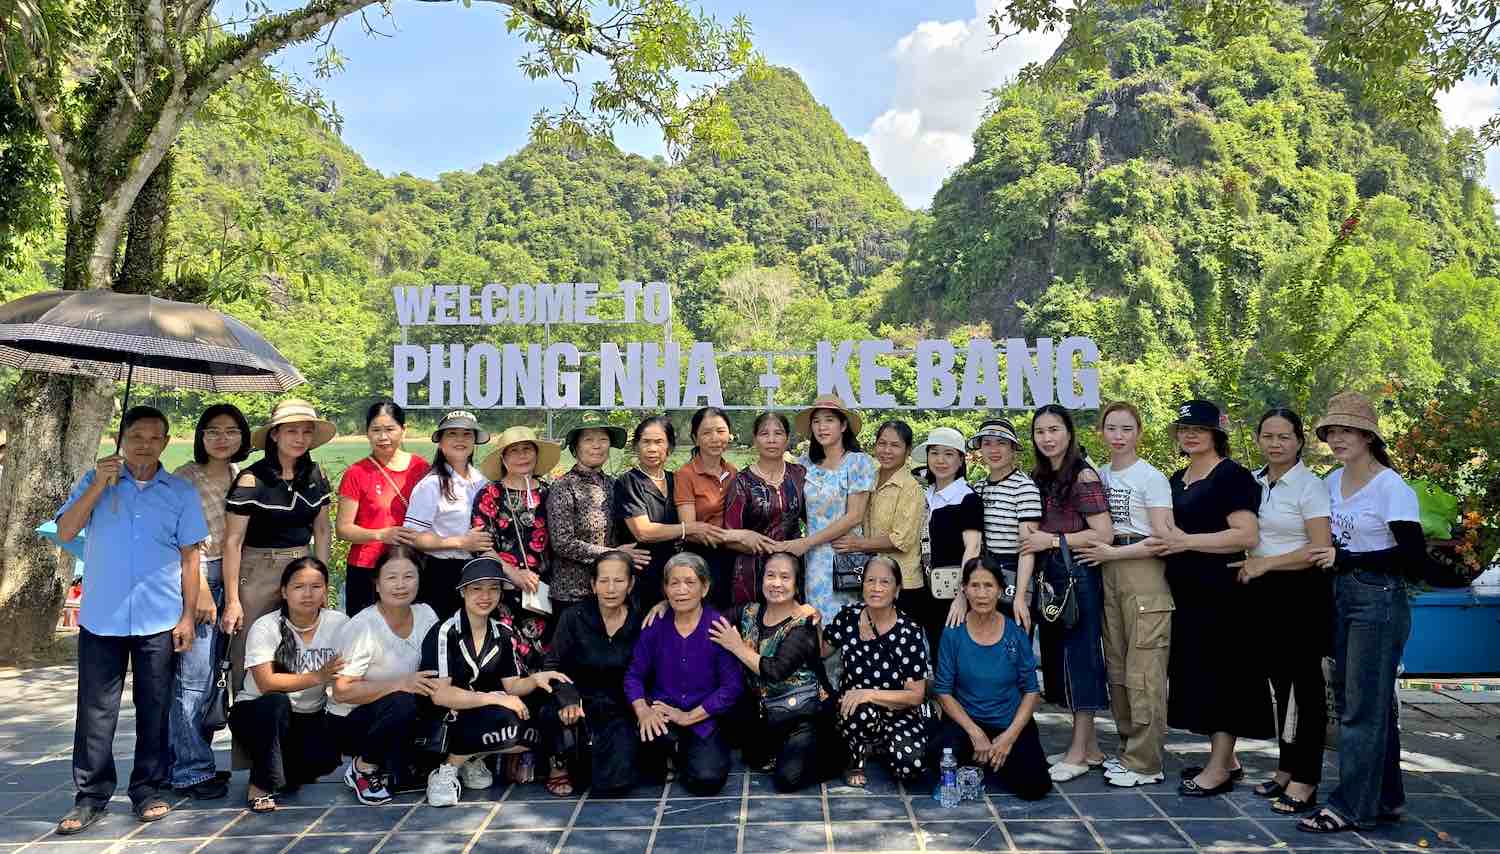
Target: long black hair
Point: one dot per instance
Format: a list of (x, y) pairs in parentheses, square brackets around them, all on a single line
[(200, 451), (285, 659), (850, 441), (445, 473), (799, 578), (702, 415), (1059, 483)]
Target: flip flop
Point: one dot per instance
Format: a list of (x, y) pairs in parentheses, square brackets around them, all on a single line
[(1268, 789), (141, 809), (555, 784), (1288, 805), (1324, 821), (84, 814)]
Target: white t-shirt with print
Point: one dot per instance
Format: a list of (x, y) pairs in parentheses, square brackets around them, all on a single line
[(1133, 492), (373, 651), (1285, 508), (431, 511), (260, 648), (1361, 522)]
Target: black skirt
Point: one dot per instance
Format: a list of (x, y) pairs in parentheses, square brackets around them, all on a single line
[(1217, 682)]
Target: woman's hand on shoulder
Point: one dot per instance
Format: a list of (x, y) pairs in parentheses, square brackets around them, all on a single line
[(653, 614), (723, 633), (1035, 542)]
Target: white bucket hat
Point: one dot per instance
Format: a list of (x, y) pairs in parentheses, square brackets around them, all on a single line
[(940, 437)]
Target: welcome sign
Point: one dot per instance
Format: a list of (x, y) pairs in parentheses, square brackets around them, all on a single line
[(1009, 374)]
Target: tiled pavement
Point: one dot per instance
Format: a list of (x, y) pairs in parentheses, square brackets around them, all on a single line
[(1453, 780)]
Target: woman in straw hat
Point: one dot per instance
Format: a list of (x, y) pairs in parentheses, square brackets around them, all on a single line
[(512, 509), (837, 488), (277, 506), (1377, 544), (441, 511)]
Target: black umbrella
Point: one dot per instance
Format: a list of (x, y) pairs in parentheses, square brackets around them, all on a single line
[(100, 333)]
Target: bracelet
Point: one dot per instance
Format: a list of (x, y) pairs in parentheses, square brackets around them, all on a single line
[(684, 533)]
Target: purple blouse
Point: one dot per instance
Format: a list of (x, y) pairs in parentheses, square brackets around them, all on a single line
[(684, 672)]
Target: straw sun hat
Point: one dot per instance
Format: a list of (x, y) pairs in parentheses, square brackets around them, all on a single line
[(826, 401), (1352, 410), (293, 411), (547, 453)]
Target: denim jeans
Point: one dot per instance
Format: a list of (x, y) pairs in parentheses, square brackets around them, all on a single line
[(192, 748), (1073, 671), (1372, 618)]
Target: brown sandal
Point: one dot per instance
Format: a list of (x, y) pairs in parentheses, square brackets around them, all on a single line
[(557, 783)]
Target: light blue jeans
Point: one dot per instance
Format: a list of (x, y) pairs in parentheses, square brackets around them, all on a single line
[(192, 748), (1371, 622)]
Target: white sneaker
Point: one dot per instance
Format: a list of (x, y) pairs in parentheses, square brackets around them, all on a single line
[(443, 788), (1127, 779), (474, 775), (1113, 765)]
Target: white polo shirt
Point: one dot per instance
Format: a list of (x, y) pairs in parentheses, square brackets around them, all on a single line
[(1285, 507)]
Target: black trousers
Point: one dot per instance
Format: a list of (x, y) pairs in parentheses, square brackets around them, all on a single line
[(359, 589), (1304, 598), (802, 754), (927, 611), (492, 729), (102, 660), (287, 748), (608, 764), (436, 583), (702, 763), (1024, 773), (381, 732)]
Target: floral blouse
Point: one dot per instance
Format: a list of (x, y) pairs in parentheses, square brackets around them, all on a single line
[(517, 521), (580, 525)]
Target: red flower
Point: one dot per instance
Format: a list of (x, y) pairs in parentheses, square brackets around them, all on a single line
[(487, 504), (530, 560), (503, 523), (508, 558)]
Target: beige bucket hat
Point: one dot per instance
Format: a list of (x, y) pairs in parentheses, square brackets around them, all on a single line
[(547, 453), (1350, 409), (292, 411)]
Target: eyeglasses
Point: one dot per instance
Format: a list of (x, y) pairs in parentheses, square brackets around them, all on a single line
[(231, 433)]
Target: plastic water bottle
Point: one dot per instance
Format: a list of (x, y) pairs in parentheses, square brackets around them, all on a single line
[(948, 780)]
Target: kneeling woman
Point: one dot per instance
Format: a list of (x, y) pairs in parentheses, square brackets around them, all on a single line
[(680, 683), (788, 728), (375, 694), (290, 657), (884, 657), (480, 688), (986, 684)]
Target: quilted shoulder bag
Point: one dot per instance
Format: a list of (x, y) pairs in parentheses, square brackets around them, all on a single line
[(1063, 609), (943, 581), (849, 567), (213, 714)]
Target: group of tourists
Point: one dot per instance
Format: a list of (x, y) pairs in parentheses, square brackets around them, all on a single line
[(601, 632)]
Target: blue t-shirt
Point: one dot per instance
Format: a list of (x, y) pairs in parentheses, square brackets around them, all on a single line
[(988, 681)]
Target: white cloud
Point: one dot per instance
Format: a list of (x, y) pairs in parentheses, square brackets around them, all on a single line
[(1470, 104), (945, 70)]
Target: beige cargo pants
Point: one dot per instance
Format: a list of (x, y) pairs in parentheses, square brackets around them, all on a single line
[(1137, 643)]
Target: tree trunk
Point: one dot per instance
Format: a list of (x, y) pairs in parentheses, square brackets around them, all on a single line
[(59, 421), (146, 235)]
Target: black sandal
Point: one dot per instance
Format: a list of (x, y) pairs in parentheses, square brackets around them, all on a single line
[(1324, 821), (1269, 789), (141, 809), (262, 804), (1288, 805), (84, 814)]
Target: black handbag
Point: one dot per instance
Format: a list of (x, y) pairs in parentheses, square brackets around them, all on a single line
[(434, 737), (213, 714), (1038, 597), (1063, 609), (789, 707), (849, 570)]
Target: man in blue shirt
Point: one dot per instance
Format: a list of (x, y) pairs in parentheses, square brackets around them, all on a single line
[(143, 529)]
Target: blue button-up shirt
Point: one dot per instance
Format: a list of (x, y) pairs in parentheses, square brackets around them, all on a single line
[(133, 553)]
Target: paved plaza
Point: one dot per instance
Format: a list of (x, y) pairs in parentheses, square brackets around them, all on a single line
[(1452, 757)]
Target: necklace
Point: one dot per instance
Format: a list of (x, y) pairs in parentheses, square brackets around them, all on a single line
[(305, 629), (773, 481), (654, 478)]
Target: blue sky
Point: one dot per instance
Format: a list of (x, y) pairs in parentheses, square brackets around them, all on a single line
[(906, 78)]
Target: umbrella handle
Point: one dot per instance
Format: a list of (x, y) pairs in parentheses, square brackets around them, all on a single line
[(120, 434)]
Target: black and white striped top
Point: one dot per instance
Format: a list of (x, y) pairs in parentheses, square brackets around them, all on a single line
[(1008, 503)]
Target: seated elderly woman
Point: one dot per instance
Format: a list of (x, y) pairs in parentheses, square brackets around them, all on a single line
[(884, 658), (484, 703), (680, 682), (375, 693), (986, 684), (783, 723)]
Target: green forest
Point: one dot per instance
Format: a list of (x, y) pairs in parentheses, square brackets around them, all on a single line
[(1226, 221)]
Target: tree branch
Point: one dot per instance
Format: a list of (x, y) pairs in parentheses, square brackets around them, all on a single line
[(62, 150)]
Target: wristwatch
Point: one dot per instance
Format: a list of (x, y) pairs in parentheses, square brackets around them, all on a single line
[(1056, 541)]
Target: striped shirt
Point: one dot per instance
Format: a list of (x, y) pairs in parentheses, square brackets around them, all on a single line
[(1008, 503)]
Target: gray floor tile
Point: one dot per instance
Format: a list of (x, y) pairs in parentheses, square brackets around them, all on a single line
[(1115, 806), (530, 815), (463, 818), (250, 844), (1285, 830), (356, 819), (1434, 807), (317, 795), (1177, 806), (1228, 833), (733, 785), (785, 838), (926, 809), (27, 829), (1133, 834), (962, 836), (1051, 835), (606, 814), (590, 841), (335, 844), (1405, 835), (1479, 835), (188, 824), (29, 805), (785, 809), (679, 811), (867, 809), (1011, 808), (284, 820), (519, 841), (1090, 782), (874, 837), (695, 840), (161, 846), (425, 843)]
